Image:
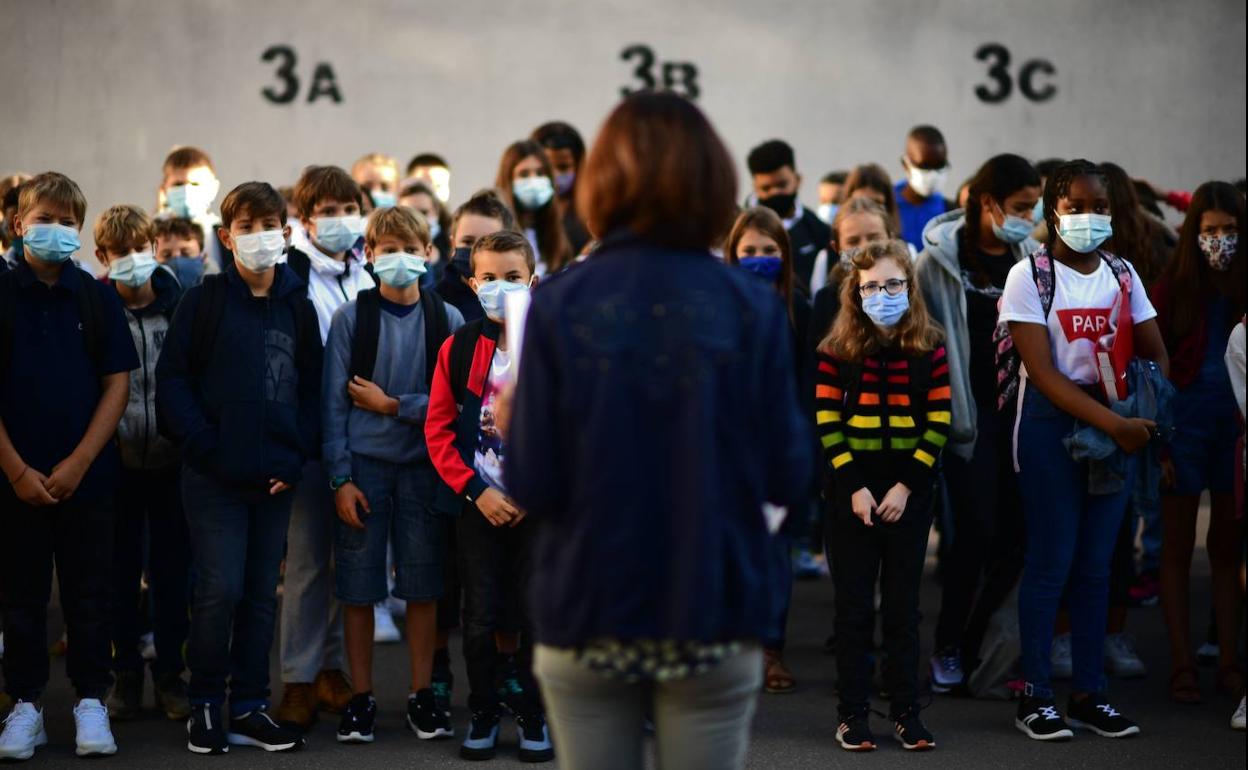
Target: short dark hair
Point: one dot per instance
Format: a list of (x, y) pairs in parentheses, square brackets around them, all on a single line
[(659, 169), (318, 183), (426, 159), (187, 157), (178, 227), (1046, 167), (502, 242), (485, 203), (834, 177), (259, 199), (557, 135), (1058, 186), (770, 156), (926, 134)]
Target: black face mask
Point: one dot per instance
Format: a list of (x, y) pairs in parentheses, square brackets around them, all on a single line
[(461, 258), (781, 203)]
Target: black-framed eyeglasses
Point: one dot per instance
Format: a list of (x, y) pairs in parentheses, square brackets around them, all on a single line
[(892, 287)]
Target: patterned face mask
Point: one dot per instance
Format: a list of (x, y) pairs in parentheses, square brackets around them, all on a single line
[(1219, 250)]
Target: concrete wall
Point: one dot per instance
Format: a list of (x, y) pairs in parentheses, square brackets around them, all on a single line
[(102, 89)]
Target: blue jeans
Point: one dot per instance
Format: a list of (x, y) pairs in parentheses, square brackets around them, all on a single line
[(237, 544), (1070, 537)]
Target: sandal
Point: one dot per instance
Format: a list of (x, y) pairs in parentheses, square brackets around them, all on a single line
[(1188, 690), (776, 677), (1231, 681)]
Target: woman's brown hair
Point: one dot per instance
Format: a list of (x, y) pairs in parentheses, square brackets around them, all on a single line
[(872, 176), (849, 208), (855, 336), (552, 243), (659, 169), (767, 222), (1189, 277)]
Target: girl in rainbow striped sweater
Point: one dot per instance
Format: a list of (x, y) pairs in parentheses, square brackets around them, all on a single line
[(882, 406)]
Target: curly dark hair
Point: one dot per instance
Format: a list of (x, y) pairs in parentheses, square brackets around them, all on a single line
[(1058, 186)]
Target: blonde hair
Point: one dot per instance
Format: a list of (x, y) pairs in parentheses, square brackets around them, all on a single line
[(55, 189), (401, 222), (854, 335), (122, 227), (849, 208), (376, 159)]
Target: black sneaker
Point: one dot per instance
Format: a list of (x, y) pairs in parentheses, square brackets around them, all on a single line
[(854, 733), (1039, 719), (482, 738), (510, 692), (257, 728), (126, 699), (205, 731), (535, 745), (358, 719), (425, 718), (442, 683), (909, 730), (1095, 714)]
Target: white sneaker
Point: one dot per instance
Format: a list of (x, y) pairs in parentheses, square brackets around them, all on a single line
[(147, 646), (1121, 658), (1237, 719), (1059, 658), (94, 736), (397, 607), (384, 629), (23, 732)]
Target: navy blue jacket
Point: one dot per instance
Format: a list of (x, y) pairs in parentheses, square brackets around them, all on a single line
[(253, 414), (656, 411)]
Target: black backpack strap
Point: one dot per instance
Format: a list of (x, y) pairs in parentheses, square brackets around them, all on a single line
[(437, 329), (91, 314), (207, 320), (851, 383), (920, 384), (8, 316), (307, 330), (299, 262), (463, 345), (367, 333)]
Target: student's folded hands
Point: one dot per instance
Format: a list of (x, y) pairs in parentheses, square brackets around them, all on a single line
[(31, 487), (65, 478)]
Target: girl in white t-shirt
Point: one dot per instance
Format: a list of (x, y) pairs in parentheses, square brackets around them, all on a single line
[(1070, 532)]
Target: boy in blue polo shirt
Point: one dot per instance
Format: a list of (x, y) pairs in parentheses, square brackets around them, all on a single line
[(65, 354), (237, 385)]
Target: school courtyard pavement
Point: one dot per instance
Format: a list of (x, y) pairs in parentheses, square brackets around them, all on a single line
[(790, 732)]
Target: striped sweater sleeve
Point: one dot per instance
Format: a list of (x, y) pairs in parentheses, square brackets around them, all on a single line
[(830, 423), (921, 468)]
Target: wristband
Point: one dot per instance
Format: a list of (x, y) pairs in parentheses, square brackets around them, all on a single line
[(338, 482)]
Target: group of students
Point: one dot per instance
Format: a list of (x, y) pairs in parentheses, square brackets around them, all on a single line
[(318, 377)]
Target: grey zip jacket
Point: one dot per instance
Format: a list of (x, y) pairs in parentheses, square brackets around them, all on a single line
[(940, 277)]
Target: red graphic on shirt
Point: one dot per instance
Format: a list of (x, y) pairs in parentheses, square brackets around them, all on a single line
[(1085, 323)]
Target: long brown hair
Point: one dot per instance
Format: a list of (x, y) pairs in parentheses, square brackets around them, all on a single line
[(872, 176), (849, 208), (854, 335), (767, 222), (659, 170), (1133, 236), (553, 244), (1189, 275)]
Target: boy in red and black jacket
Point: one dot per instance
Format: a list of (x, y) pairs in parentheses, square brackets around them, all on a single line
[(494, 541)]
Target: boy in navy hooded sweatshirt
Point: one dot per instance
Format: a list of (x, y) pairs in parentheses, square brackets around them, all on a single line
[(238, 386)]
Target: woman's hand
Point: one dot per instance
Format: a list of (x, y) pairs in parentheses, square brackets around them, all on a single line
[(863, 504), (894, 503), (1133, 433)]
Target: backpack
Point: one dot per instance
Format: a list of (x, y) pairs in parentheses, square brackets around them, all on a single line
[(1008, 362), (90, 306), (368, 331)]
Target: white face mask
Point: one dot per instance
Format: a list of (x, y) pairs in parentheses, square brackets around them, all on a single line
[(259, 251), (925, 181)]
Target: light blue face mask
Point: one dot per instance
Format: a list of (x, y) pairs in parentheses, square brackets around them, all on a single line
[(1037, 213), (399, 269), (533, 192), (886, 309), (1084, 232), (493, 297), (1013, 229), (51, 243), (337, 234), (133, 270), (381, 198)]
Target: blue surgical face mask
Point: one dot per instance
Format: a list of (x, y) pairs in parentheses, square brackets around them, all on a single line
[(51, 243), (565, 182), (259, 251), (1013, 229), (191, 200), (337, 234), (381, 198), (1037, 213), (827, 212), (532, 192), (134, 269), (399, 269), (435, 228), (1084, 232), (461, 260), (493, 297), (886, 309), (763, 267)]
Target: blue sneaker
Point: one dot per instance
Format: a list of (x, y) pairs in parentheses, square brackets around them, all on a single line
[(946, 670), (482, 739), (808, 566), (535, 745)]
